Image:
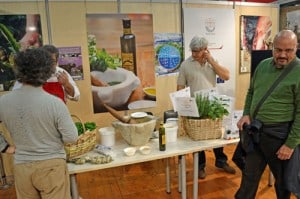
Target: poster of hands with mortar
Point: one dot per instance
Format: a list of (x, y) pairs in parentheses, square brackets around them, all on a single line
[(121, 56)]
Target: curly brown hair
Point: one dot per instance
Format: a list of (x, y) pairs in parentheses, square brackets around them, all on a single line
[(34, 66), (51, 49)]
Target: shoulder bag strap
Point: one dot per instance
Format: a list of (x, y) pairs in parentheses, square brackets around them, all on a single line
[(282, 75)]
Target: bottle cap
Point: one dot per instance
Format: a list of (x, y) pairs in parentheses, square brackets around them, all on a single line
[(126, 23)]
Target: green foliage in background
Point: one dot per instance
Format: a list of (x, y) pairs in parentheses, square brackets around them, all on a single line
[(99, 59)]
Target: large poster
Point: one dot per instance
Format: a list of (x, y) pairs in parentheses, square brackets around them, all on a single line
[(220, 33), (17, 32), (293, 23), (168, 53), (255, 35), (121, 56)]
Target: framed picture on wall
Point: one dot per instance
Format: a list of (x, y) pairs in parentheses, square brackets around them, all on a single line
[(293, 23), (255, 35), (70, 59)]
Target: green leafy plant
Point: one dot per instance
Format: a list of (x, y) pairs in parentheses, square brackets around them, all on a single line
[(90, 126), (79, 127), (14, 45), (87, 126), (99, 59), (210, 109), (7, 77)]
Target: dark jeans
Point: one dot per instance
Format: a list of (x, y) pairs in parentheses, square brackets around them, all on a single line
[(239, 156), (221, 158), (255, 164)]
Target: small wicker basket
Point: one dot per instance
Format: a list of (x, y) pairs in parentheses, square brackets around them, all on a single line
[(200, 129), (85, 143)]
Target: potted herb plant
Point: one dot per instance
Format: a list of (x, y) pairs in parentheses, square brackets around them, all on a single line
[(209, 123)]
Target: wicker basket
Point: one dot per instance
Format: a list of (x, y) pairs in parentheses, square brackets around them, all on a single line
[(201, 129), (85, 143)]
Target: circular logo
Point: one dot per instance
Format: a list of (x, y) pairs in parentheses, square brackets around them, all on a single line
[(169, 57)]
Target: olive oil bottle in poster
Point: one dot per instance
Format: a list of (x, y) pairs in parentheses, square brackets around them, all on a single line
[(128, 47)]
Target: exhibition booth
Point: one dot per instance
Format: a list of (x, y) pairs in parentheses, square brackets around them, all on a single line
[(92, 47)]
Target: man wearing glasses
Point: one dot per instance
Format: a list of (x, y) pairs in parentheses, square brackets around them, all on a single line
[(279, 114)]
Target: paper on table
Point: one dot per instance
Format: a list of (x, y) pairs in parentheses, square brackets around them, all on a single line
[(181, 93), (207, 92), (237, 114), (230, 125), (186, 106)]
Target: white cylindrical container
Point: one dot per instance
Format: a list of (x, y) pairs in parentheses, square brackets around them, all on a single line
[(107, 136), (173, 121), (171, 132)]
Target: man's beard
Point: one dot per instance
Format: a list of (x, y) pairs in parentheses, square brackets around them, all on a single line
[(277, 65)]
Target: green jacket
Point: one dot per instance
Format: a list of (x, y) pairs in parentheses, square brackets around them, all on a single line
[(282, 105)]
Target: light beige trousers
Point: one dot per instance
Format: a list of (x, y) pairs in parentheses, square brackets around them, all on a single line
[(47, 179)]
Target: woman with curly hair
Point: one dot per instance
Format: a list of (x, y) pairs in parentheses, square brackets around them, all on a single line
[(39, 124)]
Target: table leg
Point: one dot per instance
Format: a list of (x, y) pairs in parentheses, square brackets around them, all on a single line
[(183, 178), (195, 179), (74, 190), (168, 175), (179, 174)]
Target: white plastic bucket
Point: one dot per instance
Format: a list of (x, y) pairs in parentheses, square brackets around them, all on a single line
[(171, 130), (107, 136)]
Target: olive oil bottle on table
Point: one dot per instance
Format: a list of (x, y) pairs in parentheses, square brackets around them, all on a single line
[(128, 47), (162, 137)]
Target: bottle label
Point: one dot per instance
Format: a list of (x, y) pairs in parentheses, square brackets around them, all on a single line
[(127, 31), (163, 139), (127, 61)]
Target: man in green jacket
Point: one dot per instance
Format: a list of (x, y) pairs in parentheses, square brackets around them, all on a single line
[(280, 115)]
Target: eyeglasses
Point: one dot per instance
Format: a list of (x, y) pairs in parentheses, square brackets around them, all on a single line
[(279, 50), (198, 50)]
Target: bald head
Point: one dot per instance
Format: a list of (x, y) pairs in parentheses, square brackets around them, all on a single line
[(285, 47), (288, 35)]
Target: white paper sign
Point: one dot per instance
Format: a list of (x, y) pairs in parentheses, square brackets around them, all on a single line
[(207, 92), (237, 114), (181, 93), (186, 106)]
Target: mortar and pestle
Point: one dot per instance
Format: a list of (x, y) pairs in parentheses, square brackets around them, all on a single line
[(135, 132), (114, 112)]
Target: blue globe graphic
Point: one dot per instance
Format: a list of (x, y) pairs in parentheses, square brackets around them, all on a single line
[(169, 57)]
